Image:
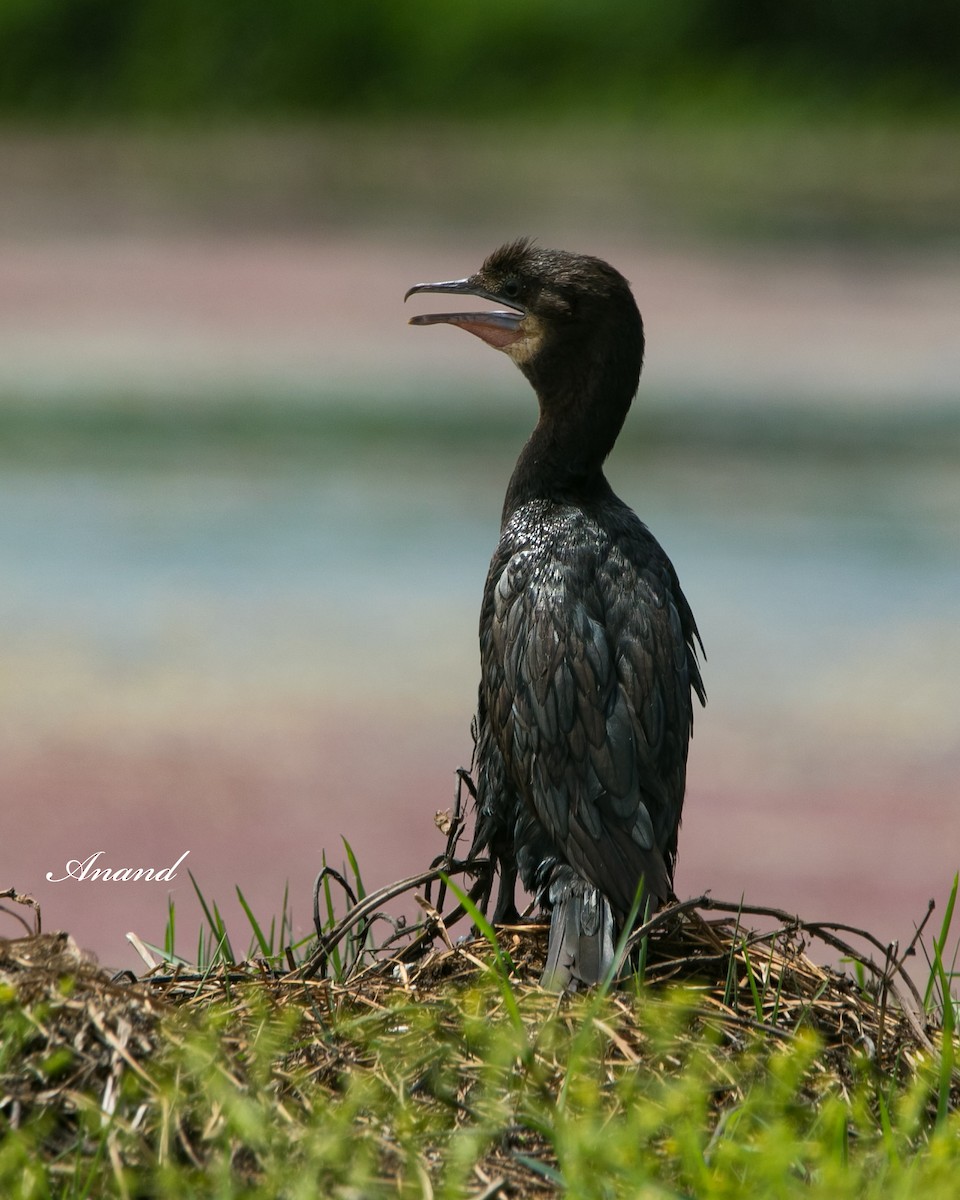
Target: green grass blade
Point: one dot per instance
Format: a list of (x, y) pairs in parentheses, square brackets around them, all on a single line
[(886, 1128), (266, 948), (286, 919), (544, 1170), (620, 950), (355, 868), (171, 959), (948, 1050), (731, 987), (778, 995), (940, 942), (216, 925), (504, 964), (751, 980), (335, 959), (224, 948), (170, 933)]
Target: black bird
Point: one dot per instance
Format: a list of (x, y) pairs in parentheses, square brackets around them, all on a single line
[(587, 645)]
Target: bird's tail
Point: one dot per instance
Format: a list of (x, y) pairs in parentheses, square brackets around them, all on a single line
[(581, 948)]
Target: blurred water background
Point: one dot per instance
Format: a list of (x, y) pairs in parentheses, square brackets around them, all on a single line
[(246, 511)]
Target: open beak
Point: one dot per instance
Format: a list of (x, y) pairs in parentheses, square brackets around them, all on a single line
[(497, 329)]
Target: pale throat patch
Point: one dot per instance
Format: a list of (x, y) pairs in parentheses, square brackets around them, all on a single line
[(528, 344)]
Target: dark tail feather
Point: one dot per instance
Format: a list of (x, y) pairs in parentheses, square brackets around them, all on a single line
[(582, 934)]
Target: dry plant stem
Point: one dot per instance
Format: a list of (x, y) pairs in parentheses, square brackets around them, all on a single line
[(444, 864), (373, 901), (27, 901), (328, 873), (824, 931)]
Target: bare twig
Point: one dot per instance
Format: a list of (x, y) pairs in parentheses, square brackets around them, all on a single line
[(26, 901)]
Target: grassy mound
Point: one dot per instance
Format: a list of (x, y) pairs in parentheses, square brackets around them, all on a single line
[(724, 1059)]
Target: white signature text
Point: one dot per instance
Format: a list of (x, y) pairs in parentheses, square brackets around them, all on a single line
[(87, 869)]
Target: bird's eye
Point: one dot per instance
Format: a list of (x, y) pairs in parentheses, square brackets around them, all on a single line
[(510, 289)]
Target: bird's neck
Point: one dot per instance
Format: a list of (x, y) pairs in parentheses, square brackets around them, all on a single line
[(580, 419)]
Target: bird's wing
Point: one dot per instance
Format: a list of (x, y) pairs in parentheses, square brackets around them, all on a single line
[(586, 678)]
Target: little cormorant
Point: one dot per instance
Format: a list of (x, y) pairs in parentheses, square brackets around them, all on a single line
[(587, 644)]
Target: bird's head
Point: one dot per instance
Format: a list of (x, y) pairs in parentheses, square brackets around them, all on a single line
[(566, 313)]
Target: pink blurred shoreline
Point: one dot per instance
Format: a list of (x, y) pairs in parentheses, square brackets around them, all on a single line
[(178, 315), (260, 813)]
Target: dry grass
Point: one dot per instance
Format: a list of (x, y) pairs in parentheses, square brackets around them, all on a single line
[(115, 1073)]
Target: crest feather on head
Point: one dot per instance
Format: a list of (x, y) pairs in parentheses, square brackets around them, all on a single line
[(508, 256)]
